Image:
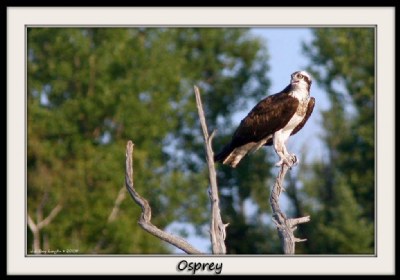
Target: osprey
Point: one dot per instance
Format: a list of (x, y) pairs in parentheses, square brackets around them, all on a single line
[(272, 121)]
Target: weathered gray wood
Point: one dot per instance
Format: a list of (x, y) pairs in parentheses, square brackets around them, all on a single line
[(218, 228), (285, 226), (145, 218)]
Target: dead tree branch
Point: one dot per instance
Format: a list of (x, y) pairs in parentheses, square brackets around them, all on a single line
[(218, 228), (114, 212), (41, 223), (50, 217), (145, 218), (285, 226)]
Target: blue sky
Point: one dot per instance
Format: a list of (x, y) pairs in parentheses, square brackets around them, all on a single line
[(286, 56)]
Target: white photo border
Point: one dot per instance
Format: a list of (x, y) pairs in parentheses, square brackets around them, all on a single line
[(18, 18)]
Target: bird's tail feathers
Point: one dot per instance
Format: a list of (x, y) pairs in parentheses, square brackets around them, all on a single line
[(232, 156), (226, 151)]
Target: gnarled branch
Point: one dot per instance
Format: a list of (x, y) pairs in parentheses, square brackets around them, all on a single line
[(285, 226), (145, 218), (218, 228)]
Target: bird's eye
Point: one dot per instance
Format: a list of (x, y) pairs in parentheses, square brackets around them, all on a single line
[(299, 76)]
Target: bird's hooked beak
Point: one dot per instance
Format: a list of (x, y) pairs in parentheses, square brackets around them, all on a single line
[(299, 77), (295, 81)]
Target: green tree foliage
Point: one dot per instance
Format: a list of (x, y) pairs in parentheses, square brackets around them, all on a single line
[(340, 189), (92, 89)]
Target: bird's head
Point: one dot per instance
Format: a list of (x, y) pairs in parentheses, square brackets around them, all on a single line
[(301, 80)]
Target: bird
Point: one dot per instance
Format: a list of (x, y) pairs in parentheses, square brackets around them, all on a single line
[(271, 122)]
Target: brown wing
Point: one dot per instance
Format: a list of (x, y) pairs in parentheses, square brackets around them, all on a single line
[(310, 108), (268, 116)]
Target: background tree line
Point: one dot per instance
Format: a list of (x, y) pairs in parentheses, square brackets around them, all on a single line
[(92, 89)]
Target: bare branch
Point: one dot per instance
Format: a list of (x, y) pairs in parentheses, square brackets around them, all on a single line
[(218, 228), (285, 226), (31, 224), (114, 212), (50, 217), (36, 228), (36, 235), (302, 220), (145, 218)]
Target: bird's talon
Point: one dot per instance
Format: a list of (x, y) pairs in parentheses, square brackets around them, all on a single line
[(294, 159), (284, 161)]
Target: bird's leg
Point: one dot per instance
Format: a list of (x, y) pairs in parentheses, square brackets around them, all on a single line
[(283, 159), (294, 159), (280, 149), (291, 158)]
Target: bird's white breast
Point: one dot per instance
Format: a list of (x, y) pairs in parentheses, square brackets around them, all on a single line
[(294, 121), (303, 97), (300, 94), (287, 130)]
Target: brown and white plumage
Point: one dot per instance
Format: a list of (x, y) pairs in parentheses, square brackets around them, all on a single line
[(272, 121)]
